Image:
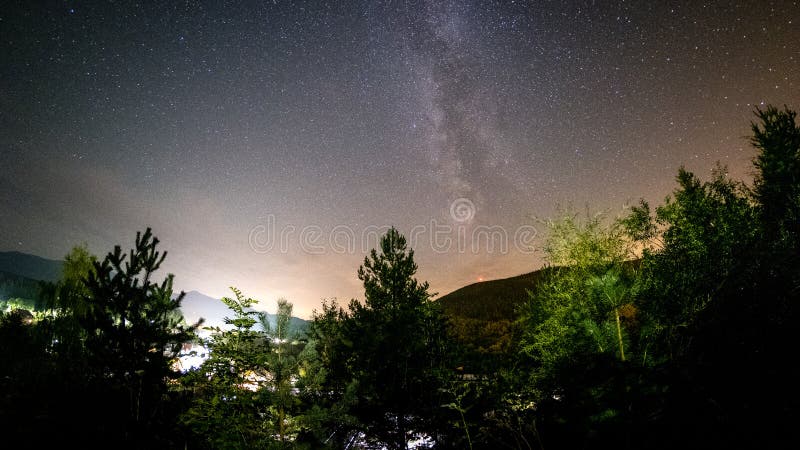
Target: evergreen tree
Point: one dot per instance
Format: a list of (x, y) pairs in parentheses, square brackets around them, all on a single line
[(245, 393), (134, 332), (396, 344), (325, 383), (719, 295), (230, 408), (283, 364)]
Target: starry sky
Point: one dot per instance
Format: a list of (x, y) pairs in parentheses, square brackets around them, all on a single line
[(266, 141)]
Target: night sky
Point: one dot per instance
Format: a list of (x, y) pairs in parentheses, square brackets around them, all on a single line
[(217, 123)]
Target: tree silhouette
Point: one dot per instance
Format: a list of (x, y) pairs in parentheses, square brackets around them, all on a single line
[(777, 182), (396, 346), (134, 332)]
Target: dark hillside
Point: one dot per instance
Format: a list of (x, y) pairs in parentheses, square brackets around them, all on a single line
[(482, 316), (30, 266), (491, 300)]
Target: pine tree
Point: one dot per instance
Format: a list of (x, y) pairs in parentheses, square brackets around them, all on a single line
[(396, 341), (134, 332)]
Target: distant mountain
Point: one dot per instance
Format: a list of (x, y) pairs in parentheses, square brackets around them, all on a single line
[(30, 266), (196, 305)]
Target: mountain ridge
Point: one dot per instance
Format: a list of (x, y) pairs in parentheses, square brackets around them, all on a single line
[(30, 266), (492, 299)]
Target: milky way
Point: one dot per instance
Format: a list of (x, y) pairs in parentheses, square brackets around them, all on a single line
[(219, 122)]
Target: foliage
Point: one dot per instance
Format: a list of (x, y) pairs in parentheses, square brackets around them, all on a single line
[(284, 367), (707, 229), (395, 347), (718, 298), (579, 316), (228, 408), (244, 393), (777, 183), (325, 382), (570, 314), (134, 332), (99, 356)]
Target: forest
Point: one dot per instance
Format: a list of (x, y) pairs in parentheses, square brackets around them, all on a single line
[(672, 326)]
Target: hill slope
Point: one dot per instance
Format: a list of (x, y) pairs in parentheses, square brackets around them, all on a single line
[(30, 266), (482, 316), (491, 300)]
